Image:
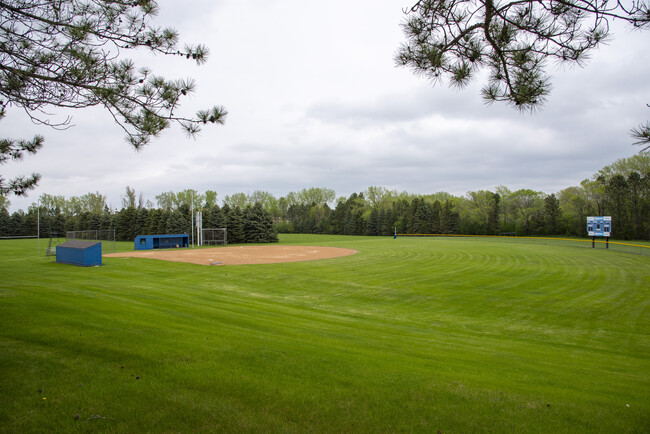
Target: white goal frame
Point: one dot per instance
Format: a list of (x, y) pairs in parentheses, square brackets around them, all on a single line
[(214, 236)]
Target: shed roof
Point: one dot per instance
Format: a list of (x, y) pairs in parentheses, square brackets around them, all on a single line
[(79, 244)]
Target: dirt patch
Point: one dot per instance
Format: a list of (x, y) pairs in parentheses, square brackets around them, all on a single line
[(240, 255)]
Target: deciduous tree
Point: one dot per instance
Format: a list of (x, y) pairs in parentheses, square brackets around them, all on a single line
[(527, 203), (210, 198), (236, 200)]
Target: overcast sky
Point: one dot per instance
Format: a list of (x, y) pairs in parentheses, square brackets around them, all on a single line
[(315, 100)]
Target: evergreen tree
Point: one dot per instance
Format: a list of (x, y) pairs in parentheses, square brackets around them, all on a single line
[(348, 218), (422, 217), (215, 218), (106, 220), (348, 223), (162, 222), (125, 227), (493, 214), (81, 221), (514, 40), (95, 221), (258, 225), (385, 221), (359, 221), (179, 221), (176, 223), (31, 223), (141, 218), (151, 225), (552, 214), (17, 223), (436, 209), (234, 224), (410, 221), (5, 223), (253, 226), (537, 224), (68, 53), (336, 221), (70, 223), (373, 224), (449, 219)]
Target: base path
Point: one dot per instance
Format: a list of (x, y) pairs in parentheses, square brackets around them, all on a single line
[(240, 255)]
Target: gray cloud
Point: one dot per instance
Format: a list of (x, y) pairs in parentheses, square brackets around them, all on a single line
[(315, 100)]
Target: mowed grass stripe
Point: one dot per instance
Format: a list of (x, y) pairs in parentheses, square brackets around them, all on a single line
[(409, 334)]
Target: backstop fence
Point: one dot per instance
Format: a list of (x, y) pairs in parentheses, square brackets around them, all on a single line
[(106, 236), (214, 236)]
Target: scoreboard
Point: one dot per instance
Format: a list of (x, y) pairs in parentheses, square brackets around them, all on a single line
[(599, 226)]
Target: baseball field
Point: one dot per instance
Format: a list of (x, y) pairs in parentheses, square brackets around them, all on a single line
[(405, 335)]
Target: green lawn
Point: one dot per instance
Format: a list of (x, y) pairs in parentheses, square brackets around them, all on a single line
[(411, 334)]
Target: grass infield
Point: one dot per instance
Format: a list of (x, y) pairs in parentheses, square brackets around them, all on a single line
[(410, 334)]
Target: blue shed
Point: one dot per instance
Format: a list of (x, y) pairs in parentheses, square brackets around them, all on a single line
[(148, 242), (83, 253)]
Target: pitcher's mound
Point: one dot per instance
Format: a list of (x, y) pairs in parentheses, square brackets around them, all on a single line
[(241, 254)]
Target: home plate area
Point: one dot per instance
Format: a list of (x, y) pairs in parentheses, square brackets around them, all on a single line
[(240, 255)]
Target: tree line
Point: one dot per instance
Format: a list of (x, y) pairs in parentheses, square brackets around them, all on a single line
[(57, 215), (621, 190)]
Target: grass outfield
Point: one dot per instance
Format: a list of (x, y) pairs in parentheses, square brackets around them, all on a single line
[(411, 334)]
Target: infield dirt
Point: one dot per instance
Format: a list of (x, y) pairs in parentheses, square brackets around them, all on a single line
[(240, 255)]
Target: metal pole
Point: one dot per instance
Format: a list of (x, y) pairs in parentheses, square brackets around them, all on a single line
[(199, 237), (38, 225)]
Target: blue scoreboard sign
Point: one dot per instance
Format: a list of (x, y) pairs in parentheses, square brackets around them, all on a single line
[(599, 226)]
